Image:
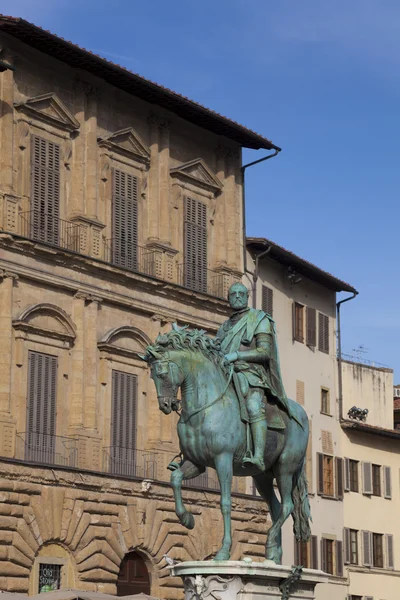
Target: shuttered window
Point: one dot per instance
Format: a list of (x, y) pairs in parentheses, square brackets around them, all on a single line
[(306, 553), (389, 552), (123, 422), (195, 245), (298, 322), (377, 549), (323, 333), (325, 475), (267, 300), (45, 191), (367, 548), (314, 552), (339, 558), (387, 482), (124, 220), (41, 407), (339, 478), (311, 337), (325, 401), (353, 475), (367, 477)]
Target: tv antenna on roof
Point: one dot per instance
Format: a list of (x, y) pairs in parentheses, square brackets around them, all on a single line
[(358, 352)]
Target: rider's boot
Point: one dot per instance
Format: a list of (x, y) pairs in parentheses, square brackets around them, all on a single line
[(259, 431)]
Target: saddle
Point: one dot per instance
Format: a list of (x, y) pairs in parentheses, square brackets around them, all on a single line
[(273, 412)]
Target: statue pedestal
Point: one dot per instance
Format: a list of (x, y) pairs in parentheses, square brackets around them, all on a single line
[(246, 580)]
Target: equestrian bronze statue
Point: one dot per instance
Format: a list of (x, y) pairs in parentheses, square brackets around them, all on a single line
[(235, 417)]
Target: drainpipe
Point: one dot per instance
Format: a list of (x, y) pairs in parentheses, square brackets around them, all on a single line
[(339, 337), (243, 170), (255, 273)]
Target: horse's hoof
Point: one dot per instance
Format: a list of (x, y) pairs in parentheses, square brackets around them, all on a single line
[(274, 554), (187, 520), (222, 555)]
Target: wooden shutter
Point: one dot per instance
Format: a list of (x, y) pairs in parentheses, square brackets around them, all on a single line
[(320, 469), (41, 407), (314, 552), (311, 336), (124, 404), (45, 190), (367, 548), (339, 478), (309, 458), (346, 474), (339, 558), (124, 220), (323, 555), (367, 477), (300, 392), (387, 482), (389, 551), (346, 541), (195, 245), (267, 300), (323, 333)]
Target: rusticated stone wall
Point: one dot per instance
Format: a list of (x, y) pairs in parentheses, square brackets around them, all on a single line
[(98, 519)]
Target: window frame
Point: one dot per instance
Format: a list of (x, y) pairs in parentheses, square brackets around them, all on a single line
[(298, 322), (353, 539), (354, 484), (376, 480), (377, 550), (326, 391)]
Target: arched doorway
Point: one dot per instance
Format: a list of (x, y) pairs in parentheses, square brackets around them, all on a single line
[(133, 576)]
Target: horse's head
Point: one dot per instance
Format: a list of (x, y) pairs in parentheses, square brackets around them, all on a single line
[(167, 377)]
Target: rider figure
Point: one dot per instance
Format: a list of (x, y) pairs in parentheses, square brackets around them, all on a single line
[(248, 340)]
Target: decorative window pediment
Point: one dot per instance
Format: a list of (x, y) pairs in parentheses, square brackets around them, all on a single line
[(197, 173), (46, 320), (128, 143), (50, 109), (125, 340)]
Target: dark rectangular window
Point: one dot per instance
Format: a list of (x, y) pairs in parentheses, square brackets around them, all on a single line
[(376, 480), (123, 423), (325, 404), (124, 242), (49, 577), (353, 470), (267, 300), (377, 550), (298, 322), (353, 546), (323, 333), (45, 191), (41, 407), (195, 245), (329, 549)]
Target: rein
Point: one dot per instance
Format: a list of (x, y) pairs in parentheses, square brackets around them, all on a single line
[(198, 410)]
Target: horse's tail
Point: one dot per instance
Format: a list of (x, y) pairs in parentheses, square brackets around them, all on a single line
[(301, 512)]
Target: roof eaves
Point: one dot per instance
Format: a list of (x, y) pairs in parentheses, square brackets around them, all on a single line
[(304, 267), (188, 109), (371, 429)]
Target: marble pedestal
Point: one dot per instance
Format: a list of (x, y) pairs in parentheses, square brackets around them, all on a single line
[(245, 580)]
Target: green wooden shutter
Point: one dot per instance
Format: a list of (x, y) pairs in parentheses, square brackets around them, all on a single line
[(323, 333), (339, 558), (123, 422), (41, 407), (311, 325), (267, 300), (124, 220), (195, 245), (45, 191)]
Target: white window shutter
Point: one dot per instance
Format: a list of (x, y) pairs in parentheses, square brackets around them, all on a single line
[(346, 541), (389, 551), (366, 548), (387, 482), (367, 477), (346, 474)]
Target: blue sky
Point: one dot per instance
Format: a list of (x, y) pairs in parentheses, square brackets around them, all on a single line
[(321, 80)]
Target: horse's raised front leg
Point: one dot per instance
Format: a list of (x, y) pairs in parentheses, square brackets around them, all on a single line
[(224, 467), (187, 470), (273, 549)]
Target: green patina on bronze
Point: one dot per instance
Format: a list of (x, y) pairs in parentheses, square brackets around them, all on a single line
[(235, 417)]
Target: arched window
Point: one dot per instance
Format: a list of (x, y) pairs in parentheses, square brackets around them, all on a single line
[(133, 576)]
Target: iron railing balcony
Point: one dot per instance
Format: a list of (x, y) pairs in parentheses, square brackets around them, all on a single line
[(199, 279), (47, 449), (130, 462), (128, 255), (44, 227)]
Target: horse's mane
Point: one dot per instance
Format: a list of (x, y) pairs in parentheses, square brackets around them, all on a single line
[(196, 340)]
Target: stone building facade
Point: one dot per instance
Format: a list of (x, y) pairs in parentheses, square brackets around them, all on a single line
[(120, 213)]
